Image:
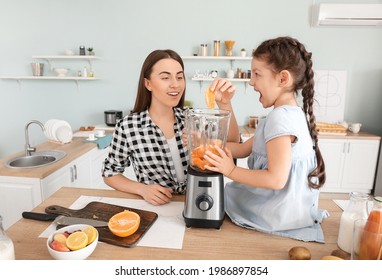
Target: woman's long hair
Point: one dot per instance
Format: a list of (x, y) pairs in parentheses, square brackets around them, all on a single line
[(143, 99)]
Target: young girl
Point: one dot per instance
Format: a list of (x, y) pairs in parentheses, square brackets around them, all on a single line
[(151, 137), (279, 192)]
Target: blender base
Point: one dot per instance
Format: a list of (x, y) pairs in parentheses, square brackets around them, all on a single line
[(202, 223)]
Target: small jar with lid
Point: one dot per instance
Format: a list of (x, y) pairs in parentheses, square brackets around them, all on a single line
[(82, 50), (216, 48), (203, 50)]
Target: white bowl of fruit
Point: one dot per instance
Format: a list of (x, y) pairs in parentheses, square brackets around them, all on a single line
[(75, 242)]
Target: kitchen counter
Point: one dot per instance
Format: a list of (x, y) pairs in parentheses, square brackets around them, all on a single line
[(77, 147), (231, 242), (73, 150), (247, 131)]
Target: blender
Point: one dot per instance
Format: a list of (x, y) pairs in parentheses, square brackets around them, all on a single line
[(204, 203)]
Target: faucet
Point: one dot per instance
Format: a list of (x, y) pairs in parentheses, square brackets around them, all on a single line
[(28, 148)]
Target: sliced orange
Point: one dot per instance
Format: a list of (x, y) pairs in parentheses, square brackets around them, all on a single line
[(124, 223), (198, 162), (210, 98), (91, 232), (77, 240)]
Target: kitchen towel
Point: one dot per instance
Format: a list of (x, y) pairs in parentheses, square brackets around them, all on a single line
[(102, 142)]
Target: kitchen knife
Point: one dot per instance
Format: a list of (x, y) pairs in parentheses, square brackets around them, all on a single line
[(63, 220)]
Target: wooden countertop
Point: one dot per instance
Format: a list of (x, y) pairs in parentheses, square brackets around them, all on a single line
[(73, 150), (247, 131), (77, 147), (231, 242)]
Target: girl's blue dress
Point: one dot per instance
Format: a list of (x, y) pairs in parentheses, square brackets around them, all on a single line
[(292, 211)]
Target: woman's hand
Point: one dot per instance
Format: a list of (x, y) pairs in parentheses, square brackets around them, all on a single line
[(156, 194), (224, 90), (223, 164)]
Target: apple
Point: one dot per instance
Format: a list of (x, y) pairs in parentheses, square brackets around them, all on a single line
[(61, 237), (58, 246)]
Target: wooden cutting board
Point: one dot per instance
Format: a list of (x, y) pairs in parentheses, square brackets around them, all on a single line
[(103, 211)]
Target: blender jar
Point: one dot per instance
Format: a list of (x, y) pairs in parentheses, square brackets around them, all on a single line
[(205, 128)]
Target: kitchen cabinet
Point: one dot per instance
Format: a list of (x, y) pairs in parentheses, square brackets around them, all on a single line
[(18, 194), (75, 174), (350, 164)]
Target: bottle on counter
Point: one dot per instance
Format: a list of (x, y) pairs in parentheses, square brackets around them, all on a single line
[(7, 250), (356, 209)]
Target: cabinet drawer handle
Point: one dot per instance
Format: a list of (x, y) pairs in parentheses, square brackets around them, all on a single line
[(75, 172), (71, 175)]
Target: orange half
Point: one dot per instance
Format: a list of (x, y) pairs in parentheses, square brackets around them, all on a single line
[(210, 98), (124, 223)]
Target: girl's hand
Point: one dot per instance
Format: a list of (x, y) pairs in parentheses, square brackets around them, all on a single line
[(223, 163), (224, 90), (156, 194)]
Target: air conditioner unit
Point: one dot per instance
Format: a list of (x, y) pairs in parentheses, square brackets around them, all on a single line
[(347, 15)]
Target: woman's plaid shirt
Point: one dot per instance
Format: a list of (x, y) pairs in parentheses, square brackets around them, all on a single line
[(138, 141)]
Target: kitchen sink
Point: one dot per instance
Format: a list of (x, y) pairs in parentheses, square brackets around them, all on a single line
[(37, 159)]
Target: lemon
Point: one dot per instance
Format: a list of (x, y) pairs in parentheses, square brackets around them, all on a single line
[(77, 240), (91, 232)]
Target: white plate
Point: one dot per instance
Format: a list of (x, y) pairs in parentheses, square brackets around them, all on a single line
[(91, 139), (57, 124), (64, 134), (48, 128)]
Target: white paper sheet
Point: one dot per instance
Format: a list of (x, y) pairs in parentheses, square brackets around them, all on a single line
[(330, 92), (341, 203), (166, 232)]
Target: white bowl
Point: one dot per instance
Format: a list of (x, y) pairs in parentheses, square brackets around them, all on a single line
[(68, 52), (61, 72), (72, 255)]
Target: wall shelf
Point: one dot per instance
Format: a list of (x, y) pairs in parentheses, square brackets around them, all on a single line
[(48, 59), (201, 80), (19, 78), (232, 59), (51, 78), (196, 57), (210, 79)]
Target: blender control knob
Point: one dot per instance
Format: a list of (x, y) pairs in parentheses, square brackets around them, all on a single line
[(204, 202)]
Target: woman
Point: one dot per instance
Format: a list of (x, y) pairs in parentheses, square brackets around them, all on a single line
[(150, 137)]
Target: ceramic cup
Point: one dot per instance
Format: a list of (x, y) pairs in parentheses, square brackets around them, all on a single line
[(230, 74), (100, 133), (355, 127), (367, 238), (91, 137)]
